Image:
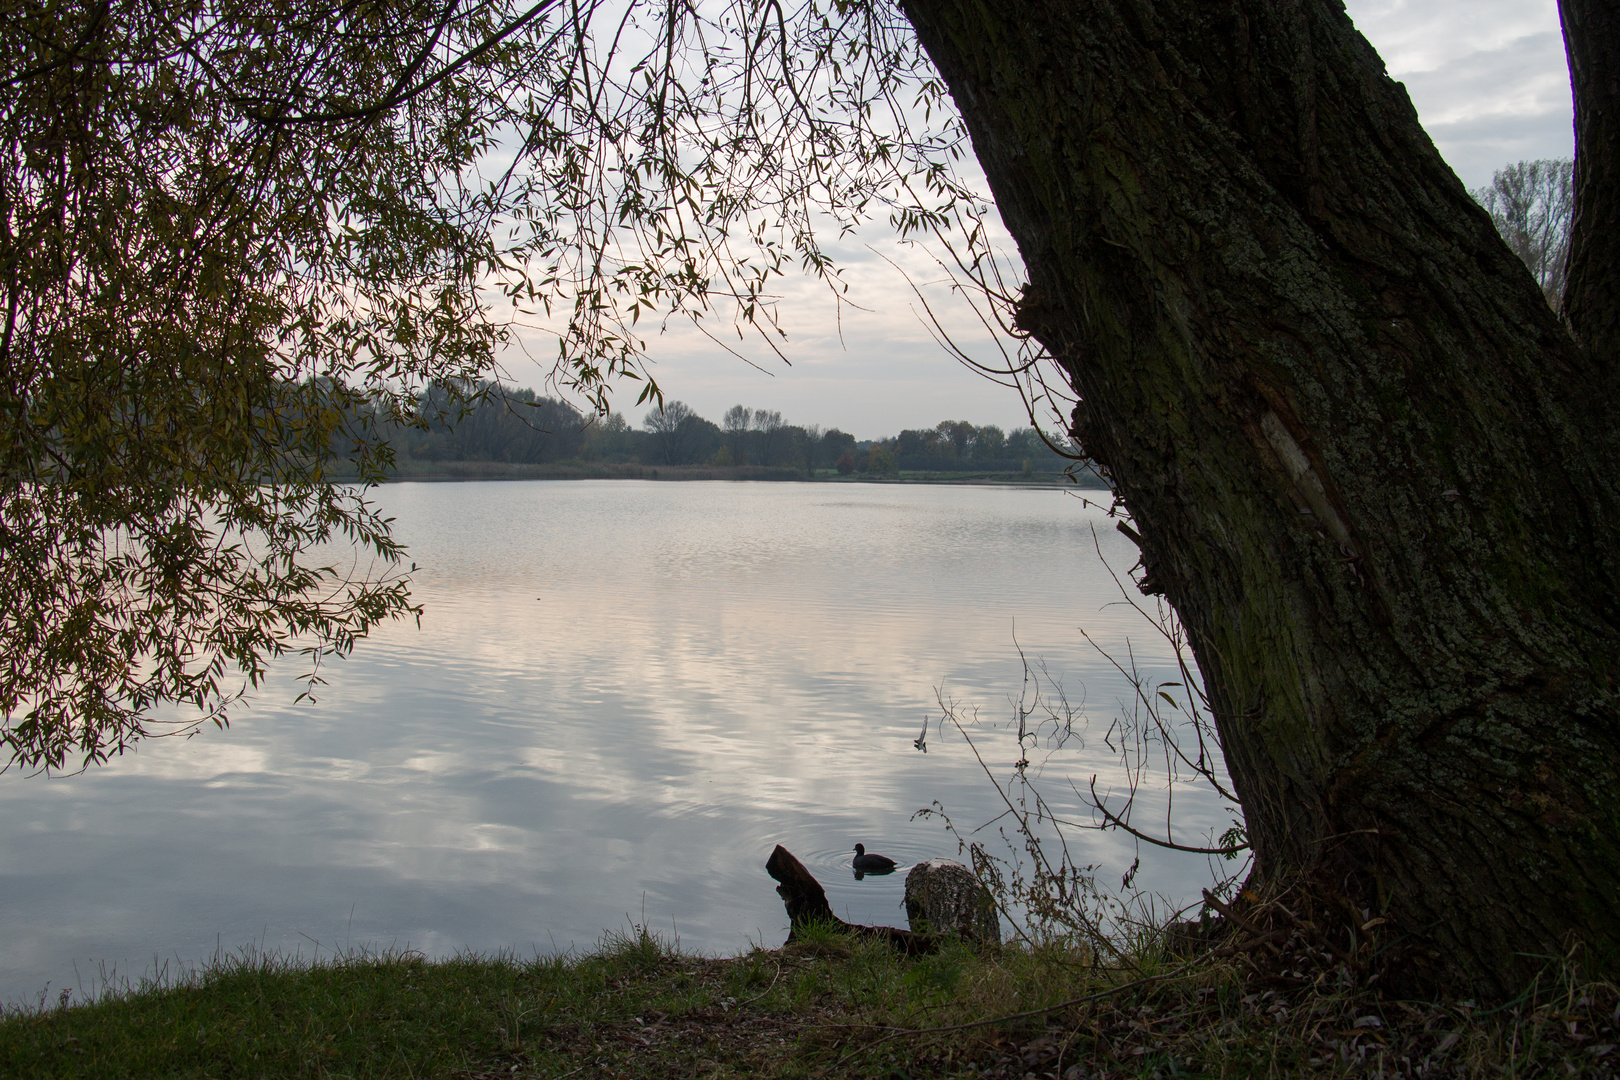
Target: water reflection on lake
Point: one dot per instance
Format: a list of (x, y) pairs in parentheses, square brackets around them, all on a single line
[(620, 697)]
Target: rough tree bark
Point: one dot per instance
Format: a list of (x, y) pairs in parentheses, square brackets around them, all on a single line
[(1592, 42), (1373, 472)]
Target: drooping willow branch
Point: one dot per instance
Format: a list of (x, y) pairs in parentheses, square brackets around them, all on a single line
[(241, 238)]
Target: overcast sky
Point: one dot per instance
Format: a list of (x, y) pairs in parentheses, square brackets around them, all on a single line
[(1489, 80)]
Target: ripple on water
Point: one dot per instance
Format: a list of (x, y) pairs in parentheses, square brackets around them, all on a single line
[(835, 863)]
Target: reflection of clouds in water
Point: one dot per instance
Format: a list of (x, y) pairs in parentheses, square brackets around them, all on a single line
[(708, 670), (207, 754)]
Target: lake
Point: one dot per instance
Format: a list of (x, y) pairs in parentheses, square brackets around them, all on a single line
[(620, 697)]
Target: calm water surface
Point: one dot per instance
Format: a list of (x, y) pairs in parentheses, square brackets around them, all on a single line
[(621, 695)]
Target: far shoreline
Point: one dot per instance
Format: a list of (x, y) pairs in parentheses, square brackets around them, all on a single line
[(463, 471)]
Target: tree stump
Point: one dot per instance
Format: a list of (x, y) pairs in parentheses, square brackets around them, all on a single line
[(806, 903), (801, 893), (943, 897)]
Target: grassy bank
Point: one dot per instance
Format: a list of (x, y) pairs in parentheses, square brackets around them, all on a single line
[(826, 1007)]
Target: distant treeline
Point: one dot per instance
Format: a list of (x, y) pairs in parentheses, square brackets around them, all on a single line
[(500, 424)]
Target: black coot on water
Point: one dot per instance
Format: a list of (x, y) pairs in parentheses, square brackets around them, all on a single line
[(872, 864)]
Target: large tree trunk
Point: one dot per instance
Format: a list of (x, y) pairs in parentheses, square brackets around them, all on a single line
[(1592, 39), (1372, 471)]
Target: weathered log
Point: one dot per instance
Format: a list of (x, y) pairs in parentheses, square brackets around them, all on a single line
[(801, 893), (806, 903)]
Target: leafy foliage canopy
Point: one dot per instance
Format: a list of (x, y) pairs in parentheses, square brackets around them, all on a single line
[(238, 235)]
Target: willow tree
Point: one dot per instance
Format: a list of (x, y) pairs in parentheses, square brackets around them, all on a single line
[(230, 236), (240, 238), (1376, 476), (1372, 471)]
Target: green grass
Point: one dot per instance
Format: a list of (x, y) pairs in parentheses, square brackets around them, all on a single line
[(825, 1006)]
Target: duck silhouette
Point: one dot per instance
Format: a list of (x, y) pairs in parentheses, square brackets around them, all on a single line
[(872, 864)]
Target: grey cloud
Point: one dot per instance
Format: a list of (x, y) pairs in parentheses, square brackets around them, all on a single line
[(1489, 79)]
